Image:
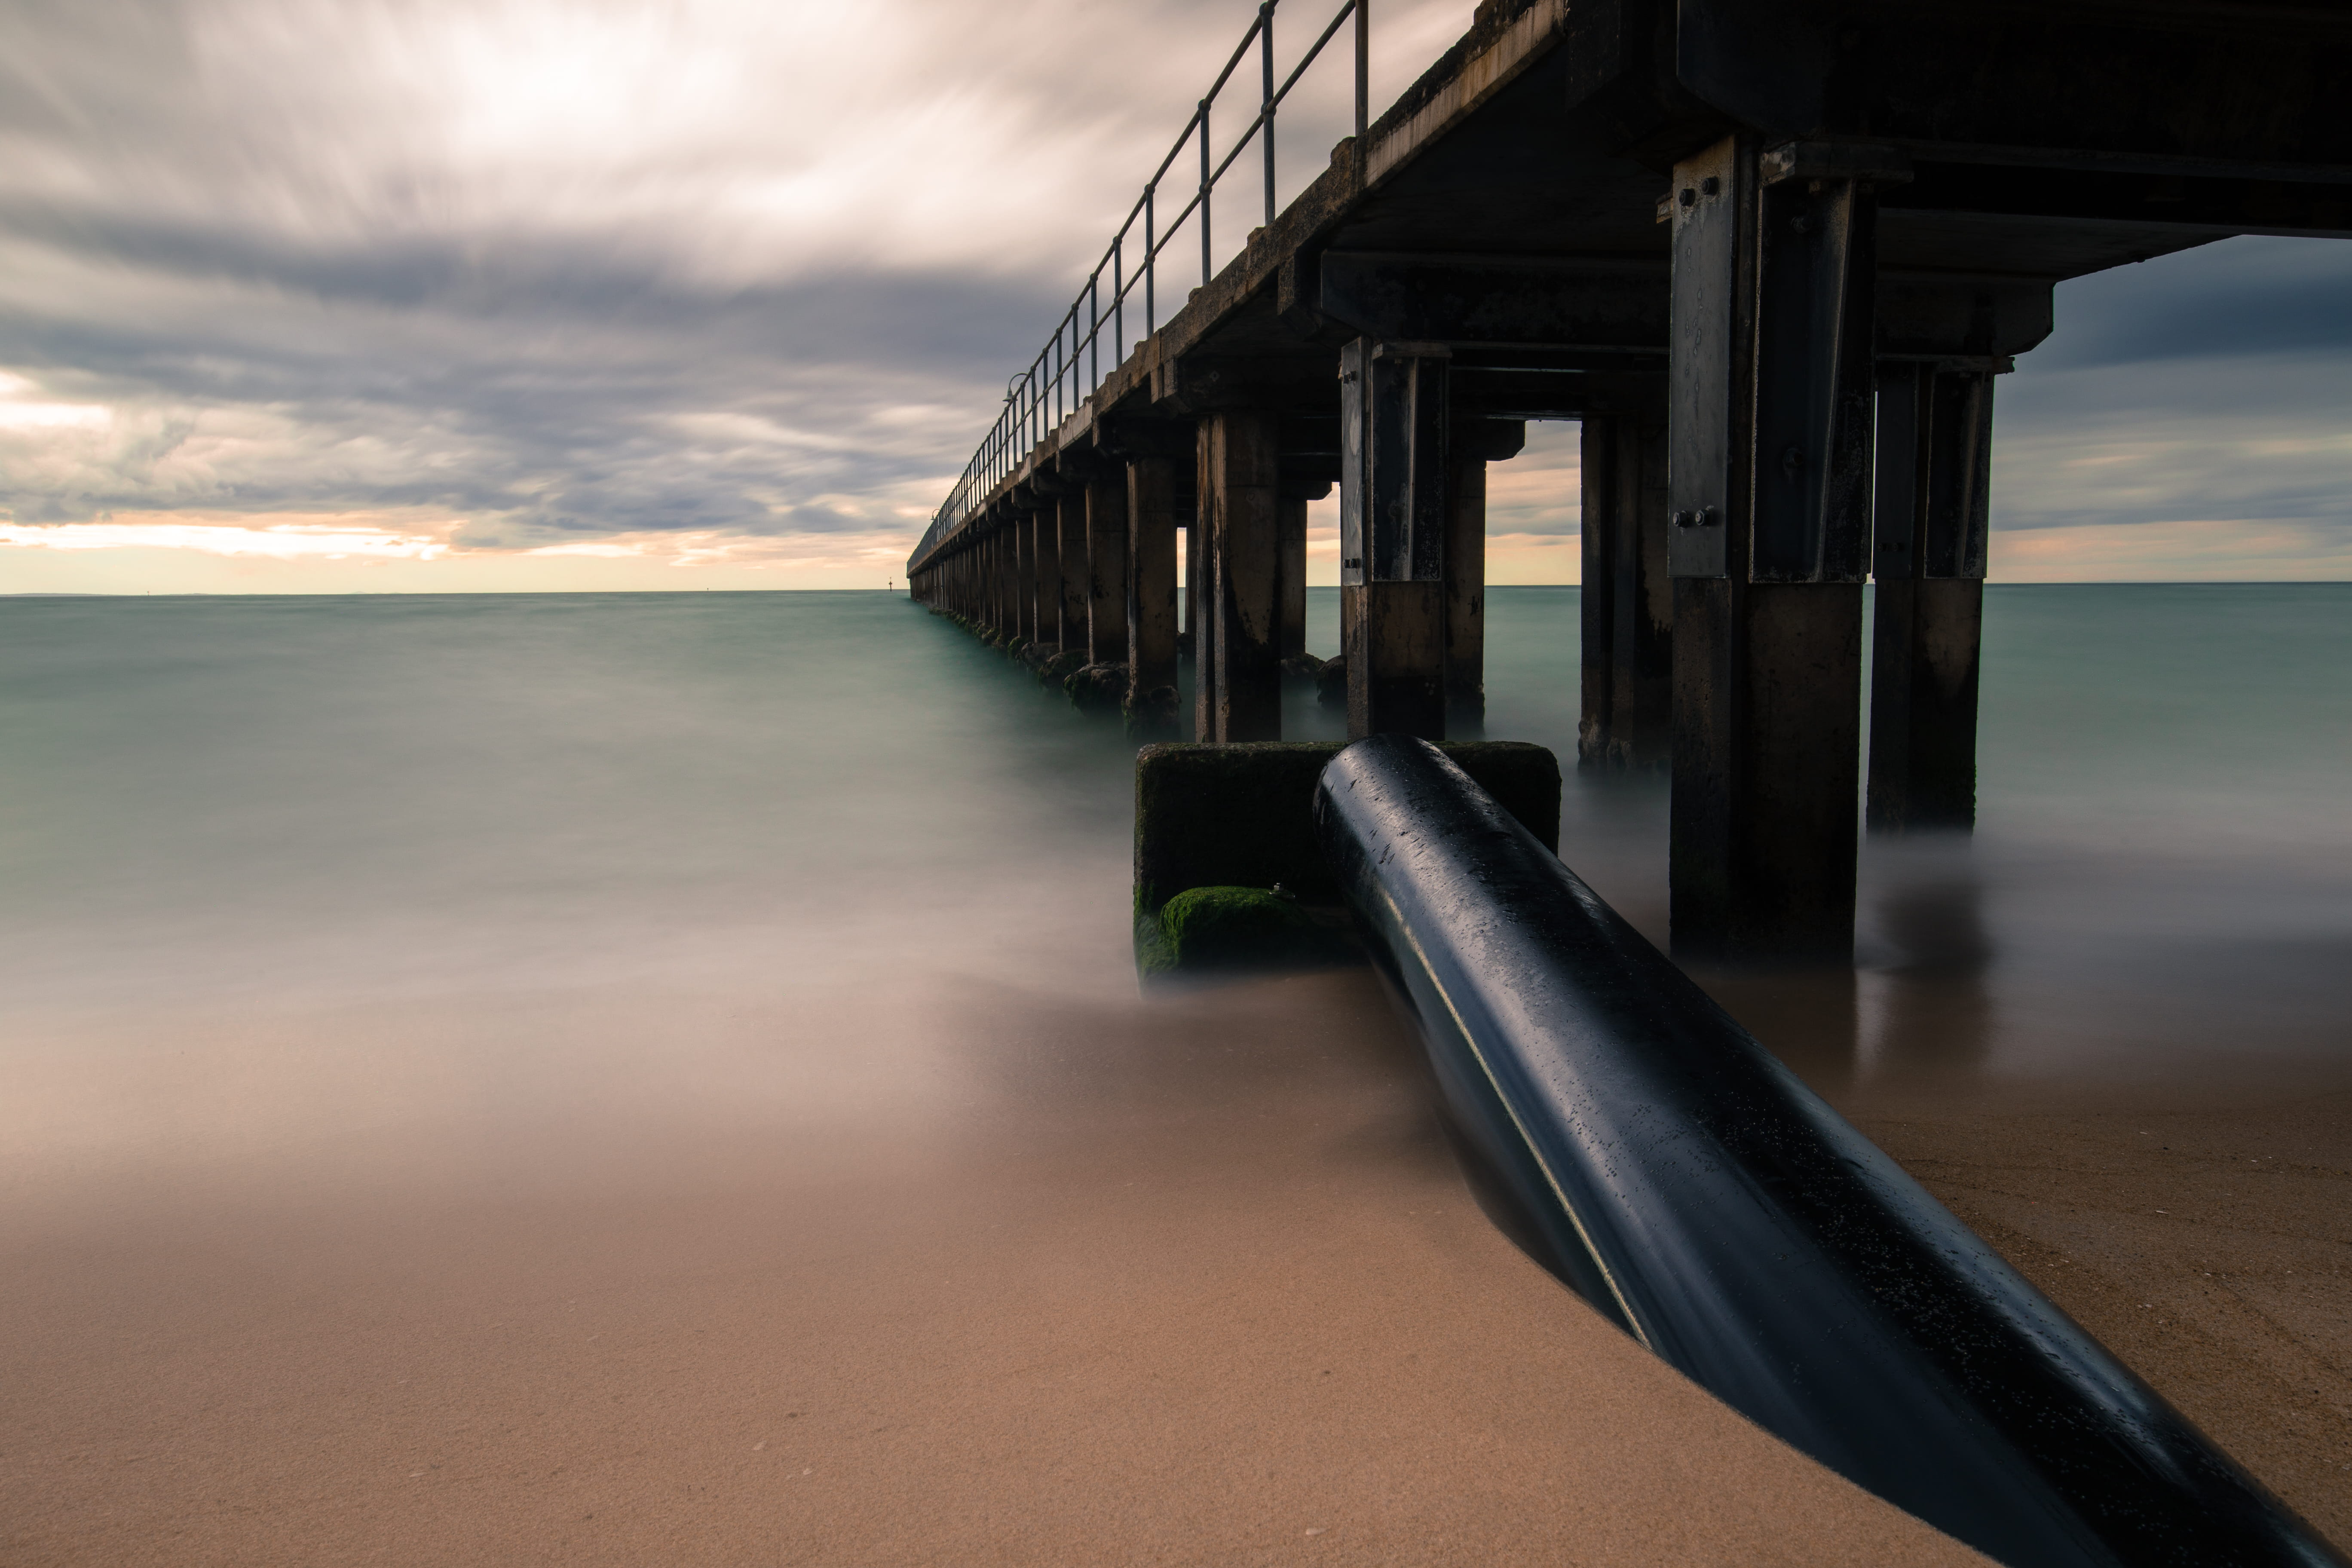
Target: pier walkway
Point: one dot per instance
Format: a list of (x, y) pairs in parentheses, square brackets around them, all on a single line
[(1772, 254)]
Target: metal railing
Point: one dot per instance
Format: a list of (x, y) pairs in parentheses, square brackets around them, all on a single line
[(1070, 366)]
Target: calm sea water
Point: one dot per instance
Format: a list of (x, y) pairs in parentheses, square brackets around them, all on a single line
[(216, 808)]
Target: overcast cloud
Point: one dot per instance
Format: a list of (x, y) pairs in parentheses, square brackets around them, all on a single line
[(416, 281)]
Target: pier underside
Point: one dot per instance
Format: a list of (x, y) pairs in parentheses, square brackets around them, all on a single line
[(1774, 256)]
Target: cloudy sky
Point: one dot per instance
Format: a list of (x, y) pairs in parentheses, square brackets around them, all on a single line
[(326, 295)]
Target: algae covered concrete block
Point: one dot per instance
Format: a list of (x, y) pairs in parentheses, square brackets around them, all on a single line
[(1242, 928), (1243, 815)]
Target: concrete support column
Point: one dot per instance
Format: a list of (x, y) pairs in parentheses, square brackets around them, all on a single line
[(1290, 576), (1473, 444), (1192, 580), (1465, 589), (1001, 572), (1771, 375), (1070, 518), (1045, 586), (1024, 577), (1393, 524), (1240, 496), (1106, 505), (1935, 471), (1628, 597), (1151, 592), (1196, 589)]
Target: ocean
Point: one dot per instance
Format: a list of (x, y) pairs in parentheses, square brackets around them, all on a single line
[(320, 918)]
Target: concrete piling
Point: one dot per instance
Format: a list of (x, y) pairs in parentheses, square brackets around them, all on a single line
[(1151, 592), (1935, 461), (1239, 481), (1290, 573), (1769, 492), (1107, 566), (1046, 524), (1070, 522), (1627, 612), (1392, 525)]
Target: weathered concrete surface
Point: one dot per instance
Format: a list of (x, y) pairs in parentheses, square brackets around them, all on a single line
[(1242, 815), (1096, 687)]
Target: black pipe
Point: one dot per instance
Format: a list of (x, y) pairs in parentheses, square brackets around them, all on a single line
[(1678, 1177)]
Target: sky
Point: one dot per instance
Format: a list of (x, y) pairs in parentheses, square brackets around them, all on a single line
[(478, 295)]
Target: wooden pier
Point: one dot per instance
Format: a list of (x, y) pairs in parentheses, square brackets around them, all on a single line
[(1772, 253)]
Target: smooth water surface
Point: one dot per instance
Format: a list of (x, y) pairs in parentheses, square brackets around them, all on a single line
[(212, 805)]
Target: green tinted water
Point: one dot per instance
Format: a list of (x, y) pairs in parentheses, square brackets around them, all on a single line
[(345, 797)]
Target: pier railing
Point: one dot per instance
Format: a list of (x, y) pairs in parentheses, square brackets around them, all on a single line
[(1127, 277)]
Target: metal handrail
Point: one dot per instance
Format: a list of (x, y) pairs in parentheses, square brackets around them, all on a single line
[(1070, 365)]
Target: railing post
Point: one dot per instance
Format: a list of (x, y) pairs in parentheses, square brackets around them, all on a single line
[(1150, 262), (1266, 106), (1207, 187), (1363, 69)]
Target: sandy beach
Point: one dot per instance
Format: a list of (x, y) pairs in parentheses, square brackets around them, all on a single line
[(1218, 1295)]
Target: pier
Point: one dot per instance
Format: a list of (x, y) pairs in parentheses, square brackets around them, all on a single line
[(1773, 255)]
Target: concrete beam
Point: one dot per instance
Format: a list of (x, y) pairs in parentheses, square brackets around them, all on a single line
[(1592, 302)]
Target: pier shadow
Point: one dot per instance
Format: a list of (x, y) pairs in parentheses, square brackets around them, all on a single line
[(1929, 952)]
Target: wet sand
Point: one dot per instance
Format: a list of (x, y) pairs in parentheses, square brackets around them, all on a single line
[(2193, 1211), (1185, 1282), (2206, 1239)]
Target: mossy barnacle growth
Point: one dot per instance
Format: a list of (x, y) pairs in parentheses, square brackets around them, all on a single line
[(1241, 928)]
